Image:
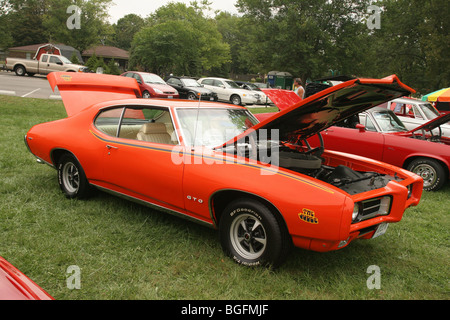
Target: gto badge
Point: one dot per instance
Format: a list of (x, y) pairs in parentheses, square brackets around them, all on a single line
[(195, 199), (308, 216)]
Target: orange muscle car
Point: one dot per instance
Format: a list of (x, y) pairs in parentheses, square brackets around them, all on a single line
[(260, 184)]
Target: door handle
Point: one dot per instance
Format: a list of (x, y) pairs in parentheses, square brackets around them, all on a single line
[(111, 147)]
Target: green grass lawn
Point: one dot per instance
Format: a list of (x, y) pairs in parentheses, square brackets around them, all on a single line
[(127, 251)]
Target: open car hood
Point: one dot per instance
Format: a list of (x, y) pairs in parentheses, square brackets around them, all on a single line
[(433, 124), (282, 98), (81, 90), (307, 117)]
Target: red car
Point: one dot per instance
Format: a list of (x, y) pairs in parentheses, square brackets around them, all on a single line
[(257, 183), (152, 85), (379, 134), (14, 285)]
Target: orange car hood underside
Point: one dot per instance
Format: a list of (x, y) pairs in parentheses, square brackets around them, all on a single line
[(305, 118)]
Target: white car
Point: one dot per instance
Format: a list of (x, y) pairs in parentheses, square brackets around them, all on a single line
[(229, 91), (413, 113)]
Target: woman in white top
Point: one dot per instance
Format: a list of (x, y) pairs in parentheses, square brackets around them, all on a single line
[(298, 87)]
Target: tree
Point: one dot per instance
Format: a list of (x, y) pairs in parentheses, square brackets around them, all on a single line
[(125, 29), (179, 39), (24, 21), (93, 14), (413, 42)]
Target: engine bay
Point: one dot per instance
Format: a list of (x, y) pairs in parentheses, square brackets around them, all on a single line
[(303, 159)]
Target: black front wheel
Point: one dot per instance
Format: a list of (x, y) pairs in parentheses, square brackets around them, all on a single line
[(71, 178), (251, 235)]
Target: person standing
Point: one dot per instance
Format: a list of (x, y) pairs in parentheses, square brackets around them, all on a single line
[(298, 88)]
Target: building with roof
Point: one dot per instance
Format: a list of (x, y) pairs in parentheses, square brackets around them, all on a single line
[(120, 56)]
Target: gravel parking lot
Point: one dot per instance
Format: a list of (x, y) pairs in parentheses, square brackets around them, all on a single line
[(30, 87)]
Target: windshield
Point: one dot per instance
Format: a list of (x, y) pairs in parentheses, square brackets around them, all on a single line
[(213, 127), (190, 83), (388, 122), (429, 111), (152, 78), (233, 84), (261, 85)]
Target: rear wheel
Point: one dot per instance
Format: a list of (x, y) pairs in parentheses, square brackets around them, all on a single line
[(431, 171), (71, 178), (251, 235), (20, 70)]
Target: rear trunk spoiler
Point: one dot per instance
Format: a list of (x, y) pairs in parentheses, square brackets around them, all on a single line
[(82, 90)]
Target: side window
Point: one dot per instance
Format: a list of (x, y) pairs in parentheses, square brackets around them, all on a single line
[(108, 121), (148, 124), (137, 123), (137, 77), (369, 125), (217, 83), (208, 82), (416, 110), (54, 59), (44, 58), (175, 82)]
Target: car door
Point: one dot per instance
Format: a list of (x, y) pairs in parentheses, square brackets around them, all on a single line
[(54, 64), (44, 64), (178, 85), (136, 167), (221, 90)]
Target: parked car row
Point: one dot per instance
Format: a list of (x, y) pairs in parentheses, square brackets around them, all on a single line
[(210, 89)]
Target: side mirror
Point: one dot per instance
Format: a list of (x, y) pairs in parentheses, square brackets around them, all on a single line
[(361, 127)]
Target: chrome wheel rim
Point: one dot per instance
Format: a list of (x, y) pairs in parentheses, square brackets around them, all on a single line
[(71, 177), (248, 236), (427, 173)]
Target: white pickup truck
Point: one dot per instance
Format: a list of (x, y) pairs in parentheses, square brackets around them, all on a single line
[(47, 63)]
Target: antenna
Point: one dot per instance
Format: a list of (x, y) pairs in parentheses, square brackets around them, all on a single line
[(196, 120)]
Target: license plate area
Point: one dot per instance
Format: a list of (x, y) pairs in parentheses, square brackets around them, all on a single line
[(381, 229)]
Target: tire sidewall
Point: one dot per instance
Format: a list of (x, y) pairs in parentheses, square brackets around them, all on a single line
[(272, 254), (83, 187)]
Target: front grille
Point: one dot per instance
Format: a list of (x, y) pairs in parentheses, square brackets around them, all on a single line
[(373, 207)]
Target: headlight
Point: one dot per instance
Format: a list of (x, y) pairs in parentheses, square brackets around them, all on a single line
[(158, 91), (355, 211)]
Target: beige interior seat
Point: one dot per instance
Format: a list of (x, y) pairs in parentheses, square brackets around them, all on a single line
[(154, 132)]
